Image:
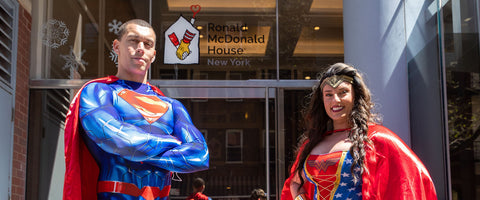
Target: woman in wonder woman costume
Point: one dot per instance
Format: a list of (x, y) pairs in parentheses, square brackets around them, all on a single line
[(345, 154)]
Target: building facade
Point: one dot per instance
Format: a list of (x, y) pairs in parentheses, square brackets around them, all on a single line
[(252, 65)]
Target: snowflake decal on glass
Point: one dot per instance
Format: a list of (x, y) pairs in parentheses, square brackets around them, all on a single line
[(55, 33), (113, 56), (114, 26), (73, 62)]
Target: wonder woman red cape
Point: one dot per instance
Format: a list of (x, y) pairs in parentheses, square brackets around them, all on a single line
[(82, 171), (392, 171)]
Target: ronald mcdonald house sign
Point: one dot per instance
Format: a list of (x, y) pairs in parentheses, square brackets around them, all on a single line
[(230, 39)]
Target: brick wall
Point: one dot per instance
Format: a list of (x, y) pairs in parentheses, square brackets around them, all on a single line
[(19, 163)]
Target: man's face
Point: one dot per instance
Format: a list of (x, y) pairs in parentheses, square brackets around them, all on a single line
[(136, 50)]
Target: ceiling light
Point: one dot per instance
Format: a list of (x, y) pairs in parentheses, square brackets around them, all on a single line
[(316, 28)]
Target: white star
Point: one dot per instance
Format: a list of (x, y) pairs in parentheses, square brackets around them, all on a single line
[(351, 189), (357, 169), (349, 198), (348, 161), (359, 194), (343, 184), (345, 174), (338, 196)]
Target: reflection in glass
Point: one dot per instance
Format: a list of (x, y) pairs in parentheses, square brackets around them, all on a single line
[(77, 37), (46, 163), (311, 37), (236, 142), (462, 63), (237, 39), (234, 147)]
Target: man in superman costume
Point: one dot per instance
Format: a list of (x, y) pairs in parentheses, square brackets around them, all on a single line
[(123, 137)]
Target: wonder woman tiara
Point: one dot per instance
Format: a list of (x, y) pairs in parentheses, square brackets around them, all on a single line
[(335, 80)]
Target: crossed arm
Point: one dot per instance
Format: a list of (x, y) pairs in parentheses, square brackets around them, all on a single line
[(183, 151)]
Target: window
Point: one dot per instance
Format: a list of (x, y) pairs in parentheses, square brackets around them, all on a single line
[(462, 61), (7, 39), (234, 141)]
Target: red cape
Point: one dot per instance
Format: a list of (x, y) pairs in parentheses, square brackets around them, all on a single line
[(82, 171), (392, 171)]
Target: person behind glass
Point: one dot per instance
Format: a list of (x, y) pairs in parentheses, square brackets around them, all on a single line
[(130, 137), (345, 153), (258, 194), (198, 188)]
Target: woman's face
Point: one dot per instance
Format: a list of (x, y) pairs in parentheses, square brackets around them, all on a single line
[(338, 103)]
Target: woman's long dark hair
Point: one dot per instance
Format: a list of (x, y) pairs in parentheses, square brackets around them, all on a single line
[(318, 122)]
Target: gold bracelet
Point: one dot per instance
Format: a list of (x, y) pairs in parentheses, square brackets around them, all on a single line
[(301, 197)]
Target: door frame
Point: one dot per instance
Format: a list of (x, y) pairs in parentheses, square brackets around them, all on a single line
[(267, 89)]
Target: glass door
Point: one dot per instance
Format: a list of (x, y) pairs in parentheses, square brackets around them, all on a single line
[(239, 127), (462, 68)]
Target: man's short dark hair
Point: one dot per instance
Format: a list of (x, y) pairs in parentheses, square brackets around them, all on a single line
[(198, 183), (123, 28)]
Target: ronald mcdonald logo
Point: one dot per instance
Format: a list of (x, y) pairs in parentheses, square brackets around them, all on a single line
[(182, 41)]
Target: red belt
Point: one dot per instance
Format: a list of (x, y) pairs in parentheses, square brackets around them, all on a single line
[(147, 192)]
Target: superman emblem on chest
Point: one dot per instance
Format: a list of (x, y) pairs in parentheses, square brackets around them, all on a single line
[(150, 107)]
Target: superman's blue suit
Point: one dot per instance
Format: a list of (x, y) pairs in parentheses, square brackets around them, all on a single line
[(138, 138)]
